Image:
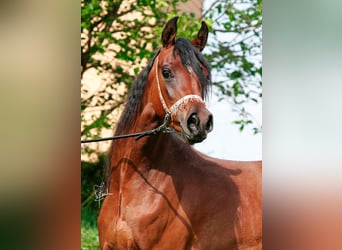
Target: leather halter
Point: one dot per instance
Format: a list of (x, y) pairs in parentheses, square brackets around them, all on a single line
[(177, 104)]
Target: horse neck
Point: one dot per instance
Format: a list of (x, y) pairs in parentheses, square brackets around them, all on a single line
[(139, 160), (129, 156)]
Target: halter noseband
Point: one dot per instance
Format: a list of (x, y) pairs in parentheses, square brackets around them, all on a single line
[(177, 104)]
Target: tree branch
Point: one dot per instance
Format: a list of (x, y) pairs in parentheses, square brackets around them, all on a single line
[(209, 9)]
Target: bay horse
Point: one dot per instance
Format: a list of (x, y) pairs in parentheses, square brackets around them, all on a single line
[(164, 194)]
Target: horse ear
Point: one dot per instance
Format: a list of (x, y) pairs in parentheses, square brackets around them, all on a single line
[(169, 32), (201, 39)]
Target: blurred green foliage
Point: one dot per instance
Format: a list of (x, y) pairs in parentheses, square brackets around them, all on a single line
[(89, 233), (91, 175)]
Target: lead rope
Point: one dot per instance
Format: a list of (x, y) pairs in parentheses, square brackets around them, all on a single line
[(163, 128)]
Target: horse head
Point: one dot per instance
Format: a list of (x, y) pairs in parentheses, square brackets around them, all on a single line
[(180, 78)]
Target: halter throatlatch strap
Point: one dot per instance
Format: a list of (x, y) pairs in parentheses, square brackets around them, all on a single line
[(179, 103)]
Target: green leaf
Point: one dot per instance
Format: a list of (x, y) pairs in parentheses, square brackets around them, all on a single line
[(237, 122), (136, 70), (235, 74)]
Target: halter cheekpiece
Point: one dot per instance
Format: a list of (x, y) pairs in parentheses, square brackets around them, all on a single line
[(177, 104)]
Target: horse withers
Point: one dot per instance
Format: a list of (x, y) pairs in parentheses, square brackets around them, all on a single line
[(164, 194)]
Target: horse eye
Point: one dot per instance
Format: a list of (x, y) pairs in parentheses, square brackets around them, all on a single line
[(166, 73)]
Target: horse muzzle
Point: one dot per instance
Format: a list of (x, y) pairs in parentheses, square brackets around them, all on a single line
[(196, 125)]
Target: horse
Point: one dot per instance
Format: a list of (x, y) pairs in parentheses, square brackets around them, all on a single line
[(163, 193)]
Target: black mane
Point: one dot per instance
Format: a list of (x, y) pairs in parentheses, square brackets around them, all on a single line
[(134, 97), (190, 57)]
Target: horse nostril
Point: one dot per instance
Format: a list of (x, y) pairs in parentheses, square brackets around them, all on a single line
[(193, 122), (209, 125)]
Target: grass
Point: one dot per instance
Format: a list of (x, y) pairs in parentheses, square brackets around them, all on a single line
[(89, 233)]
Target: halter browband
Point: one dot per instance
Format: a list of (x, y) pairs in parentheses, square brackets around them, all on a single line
[(178, 103)]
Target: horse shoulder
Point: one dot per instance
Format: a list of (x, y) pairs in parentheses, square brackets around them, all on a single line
[(245, 197)]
